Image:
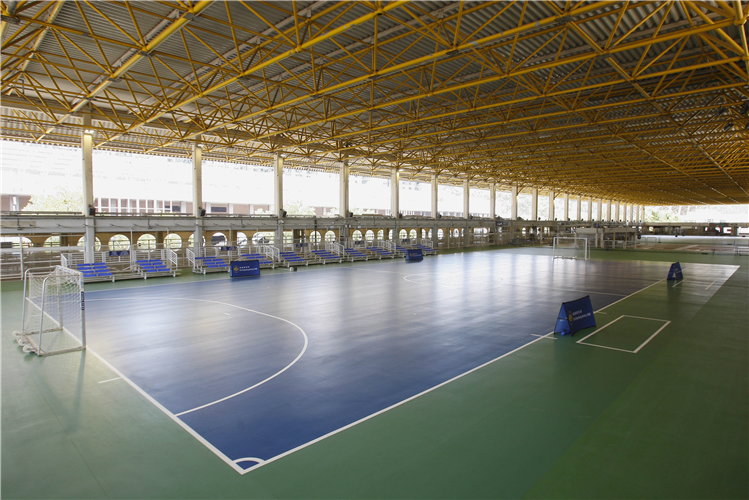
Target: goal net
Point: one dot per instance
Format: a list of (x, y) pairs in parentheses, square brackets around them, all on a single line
[(53, 312), (571, 248)]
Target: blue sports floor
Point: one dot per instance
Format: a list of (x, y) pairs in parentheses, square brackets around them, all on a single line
[(257, 367)]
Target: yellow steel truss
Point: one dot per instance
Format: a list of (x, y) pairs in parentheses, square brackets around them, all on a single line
[(645, 102)]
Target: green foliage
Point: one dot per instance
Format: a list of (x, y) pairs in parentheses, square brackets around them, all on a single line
[(62, 201), (658, 216)]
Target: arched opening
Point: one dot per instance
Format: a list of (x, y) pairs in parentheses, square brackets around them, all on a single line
[(456, 232), (380, 234), (119, 242), (218, 240), (440, 234), (52, 241), (191, 240), (429, 234), (423, 233), (97, 243), (390, 234), (263, 238), (357, 236), (147, 242), (315, 237), (330, 237), (173, 241), (241, 239), (369, 235), (403, 234), (412, 234)]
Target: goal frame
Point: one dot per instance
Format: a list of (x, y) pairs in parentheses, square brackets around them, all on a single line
[(31, 336), (585, 248)]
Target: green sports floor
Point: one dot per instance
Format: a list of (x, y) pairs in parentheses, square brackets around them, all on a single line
[(551, 420)]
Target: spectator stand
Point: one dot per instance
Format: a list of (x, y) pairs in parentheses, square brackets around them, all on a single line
[(355, 249), (108, 265), (208, 260), (333, 252), (151, 263), (260, 253), (390, 246)]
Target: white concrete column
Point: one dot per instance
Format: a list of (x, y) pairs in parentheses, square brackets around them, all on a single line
[(492, 200), (395, 181), (278, 198), (590, 209), (197, 194), (466, 200), (343, 201), (579, 212), (608, 211), (616, 211), (87, 151), (566, 208), (642, 216), (600, 209), (514, 201), (435, 199), (551, 204), (534, 204), (624, 211)]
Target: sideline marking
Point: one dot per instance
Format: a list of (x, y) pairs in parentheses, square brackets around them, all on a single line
[(171, 415), (242, 471), (711, 284), (110, 380), (304, 349), (679, 283), (666, 323), (543, 336)]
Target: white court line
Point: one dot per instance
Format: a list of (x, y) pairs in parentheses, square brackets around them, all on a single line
[(305, 445), (711, 284), (304, 349), (666, 323), (679, 283), (171, 415), (544, 336), (110, 380)]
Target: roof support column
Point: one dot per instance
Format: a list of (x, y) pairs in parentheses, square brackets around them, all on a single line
[(466, 200), (395, 177), (552, 195), (624, 211), (534, 204), (514, 201), (492, 200), (579, 211), (435, 198), (616, 212), (608, 211), (343, 201), (566, 208), (278, 198), (197, 195), (87, 150)]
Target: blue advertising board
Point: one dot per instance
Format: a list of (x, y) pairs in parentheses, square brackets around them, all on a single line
[(414, 254), (227, 249), (574, 316), (675, 272), (241, 268), (119, 253)]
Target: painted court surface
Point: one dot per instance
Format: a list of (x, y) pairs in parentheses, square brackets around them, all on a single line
[(653, 403), (260, 367)]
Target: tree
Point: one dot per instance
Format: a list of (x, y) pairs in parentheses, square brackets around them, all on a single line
[(62, 201)]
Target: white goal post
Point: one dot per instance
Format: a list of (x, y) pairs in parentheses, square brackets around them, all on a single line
[(53, 318), (570, 247)]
